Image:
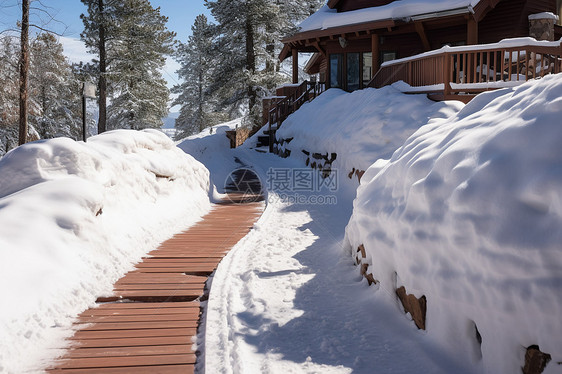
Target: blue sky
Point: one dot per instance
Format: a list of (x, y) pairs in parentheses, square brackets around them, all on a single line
[(180, 13)]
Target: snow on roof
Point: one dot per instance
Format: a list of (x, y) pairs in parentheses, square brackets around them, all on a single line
[(327, 18), (544, 15)]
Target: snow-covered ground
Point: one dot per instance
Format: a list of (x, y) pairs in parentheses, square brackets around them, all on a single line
[(74, 217), (287, 298), (469, 213), (466, 212)]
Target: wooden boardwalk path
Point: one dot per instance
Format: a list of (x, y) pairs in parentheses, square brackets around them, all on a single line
[(147, 325)]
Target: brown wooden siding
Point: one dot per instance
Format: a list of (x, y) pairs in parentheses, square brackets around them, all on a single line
[(454, 35), (510, 19)]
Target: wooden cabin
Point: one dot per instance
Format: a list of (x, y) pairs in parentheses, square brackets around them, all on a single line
[(350, 39)]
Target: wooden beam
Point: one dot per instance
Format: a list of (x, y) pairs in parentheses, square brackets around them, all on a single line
[(295, 66), (375, 52), (423, 36), (320, 49), (472, 32)]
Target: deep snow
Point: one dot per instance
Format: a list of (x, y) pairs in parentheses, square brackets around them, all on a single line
[(360, 126), (468, 212), (74, 217), (288, 299)]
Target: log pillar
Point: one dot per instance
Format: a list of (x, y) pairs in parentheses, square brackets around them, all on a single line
[(295, 65), (472, 32), (375, 52)]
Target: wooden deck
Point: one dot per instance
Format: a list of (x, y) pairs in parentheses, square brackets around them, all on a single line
[(147, 325)]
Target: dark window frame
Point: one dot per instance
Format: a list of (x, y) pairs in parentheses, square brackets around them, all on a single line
[(343, 70)]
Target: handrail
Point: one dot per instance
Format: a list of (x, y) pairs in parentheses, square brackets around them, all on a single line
[(473, 69), (306, 91)]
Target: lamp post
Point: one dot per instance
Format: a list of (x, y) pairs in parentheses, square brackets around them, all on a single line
[(88, 92)]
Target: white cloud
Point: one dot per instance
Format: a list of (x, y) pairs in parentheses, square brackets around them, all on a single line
[(75, 50)]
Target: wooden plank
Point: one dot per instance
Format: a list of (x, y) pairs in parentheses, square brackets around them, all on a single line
[(191, 260), (108, 362), (140, 318), (137, 312), (185, 269), (159, 286), (172, 265), (132, 342), (138, 325), (161, 369), (135, 333), (146, 350), (148, 305)]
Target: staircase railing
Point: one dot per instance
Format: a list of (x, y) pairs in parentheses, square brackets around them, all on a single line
[(305, 92), (473, 69)]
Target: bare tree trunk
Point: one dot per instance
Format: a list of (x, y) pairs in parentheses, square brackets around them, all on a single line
[(250, 61), (200, 98), (102, 123), (24, 69)]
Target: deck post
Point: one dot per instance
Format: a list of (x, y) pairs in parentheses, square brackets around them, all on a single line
[(295, 65), (472, 32), (446, 75), (375, 52)]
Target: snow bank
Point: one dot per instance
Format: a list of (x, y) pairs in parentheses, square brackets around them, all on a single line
[(212, 148), (469, 213), (361, 126), (74, 217)]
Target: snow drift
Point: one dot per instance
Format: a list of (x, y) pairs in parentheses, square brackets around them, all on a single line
[(74, 217), (361, 126), (468, 212)]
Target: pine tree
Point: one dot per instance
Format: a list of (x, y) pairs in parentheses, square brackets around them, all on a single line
[(137, 54), (196, 57), (98, 28), (136, 43), (55, 91), (249, 42), (8, 94), (297, 11)]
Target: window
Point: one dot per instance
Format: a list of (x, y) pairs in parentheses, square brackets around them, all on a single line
[(336, 70), (559, 11), (388, 56), (367, 68), (353, 71)]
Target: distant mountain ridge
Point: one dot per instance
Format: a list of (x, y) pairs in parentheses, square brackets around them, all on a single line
[(170, 121)]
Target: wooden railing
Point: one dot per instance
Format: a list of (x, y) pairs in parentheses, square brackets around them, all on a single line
[(472, 69), (282, 109)]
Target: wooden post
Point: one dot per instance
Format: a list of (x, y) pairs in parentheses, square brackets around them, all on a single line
[(472, 32), (447, 75), (295, 65), (375, 52)]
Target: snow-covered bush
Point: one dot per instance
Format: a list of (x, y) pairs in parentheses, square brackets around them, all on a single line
[(74, 217), (468, 212)]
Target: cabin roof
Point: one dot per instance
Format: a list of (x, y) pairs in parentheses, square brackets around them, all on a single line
[(327, 18), (333, 3)]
